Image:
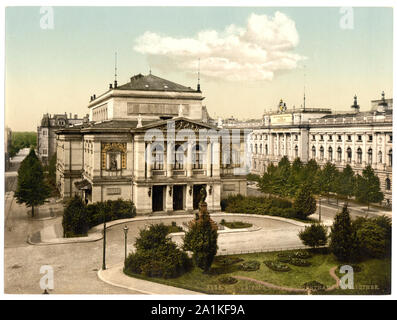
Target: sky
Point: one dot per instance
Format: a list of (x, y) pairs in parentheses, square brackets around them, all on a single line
[(249, 57)]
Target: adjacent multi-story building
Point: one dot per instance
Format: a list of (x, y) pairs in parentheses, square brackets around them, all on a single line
[(46, 136), (150, 141), (355, 138)]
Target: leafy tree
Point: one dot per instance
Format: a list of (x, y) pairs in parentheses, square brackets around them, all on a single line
[(342, 240), (345, 183), (52, 170), (296, 177), (32, 190), (202, 239), (326, 179), (368, 187), (314, 235), (21, 140), (304, 204), (371, 240), (74, 221)]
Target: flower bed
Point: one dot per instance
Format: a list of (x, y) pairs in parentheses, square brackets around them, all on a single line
[(277, 266)]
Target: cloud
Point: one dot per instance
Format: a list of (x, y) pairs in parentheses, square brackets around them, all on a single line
[(255, 52)]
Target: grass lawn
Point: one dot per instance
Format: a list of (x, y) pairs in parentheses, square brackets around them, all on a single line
[(374, 272)]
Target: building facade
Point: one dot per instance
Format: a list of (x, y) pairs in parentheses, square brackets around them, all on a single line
[(150, 141), (46, 133), (355, 138)]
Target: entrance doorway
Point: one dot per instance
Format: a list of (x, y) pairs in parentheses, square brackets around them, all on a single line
[(177, 197), (158, 198), (197, 195)]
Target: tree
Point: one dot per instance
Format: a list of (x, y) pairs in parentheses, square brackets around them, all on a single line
[(52, 170), (75, 220), (314, 235), (345, 183), (304, 204), (326, 178), (202, 239), (368, 187), (342, 240), (32, 189)]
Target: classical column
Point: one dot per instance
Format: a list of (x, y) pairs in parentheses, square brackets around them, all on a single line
[(317, 148), (354, 151), (343, 149), (285, 144), (169, 198), (189, 197), (291, 144), (209, 157), (189, 164), (278, 144), (365, 155), (334, 153), (149, 160), (216, 159), (385, 156), (170, 157)]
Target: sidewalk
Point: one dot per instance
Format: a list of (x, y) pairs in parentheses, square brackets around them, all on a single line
[(116, 277)]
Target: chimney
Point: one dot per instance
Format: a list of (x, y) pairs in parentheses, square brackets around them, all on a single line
[(75, 116), (115, 84), (94, 96), (110, 86)]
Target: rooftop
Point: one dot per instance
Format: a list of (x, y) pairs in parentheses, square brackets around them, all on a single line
[(153, 83)]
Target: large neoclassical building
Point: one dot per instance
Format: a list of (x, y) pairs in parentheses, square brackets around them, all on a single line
[(355, 138), (150, 141)]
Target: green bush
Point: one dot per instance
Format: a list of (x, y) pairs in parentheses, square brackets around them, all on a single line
[(236, 224), (74, 221), (156, 255), (227, 280), (300, 262), (227, 260), (314, 286), (114, 210), (271, 206), (277, 266), (251, 265), (314, 235)]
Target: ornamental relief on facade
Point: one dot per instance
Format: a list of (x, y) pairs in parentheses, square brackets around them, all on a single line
[(113, 156)]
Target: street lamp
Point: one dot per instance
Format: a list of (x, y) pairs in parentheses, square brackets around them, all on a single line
[(104, 241), (125, 242)]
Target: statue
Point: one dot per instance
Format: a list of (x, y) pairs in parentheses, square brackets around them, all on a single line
[(203, 193), (180, 111), (139, 125), (113, 162)]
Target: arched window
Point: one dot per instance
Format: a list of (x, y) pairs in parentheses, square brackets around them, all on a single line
[(266, 150), (390, 155), (296, 151), (313, 152), (179, 157), (359, 156), (158, 157), (330, 154), (339, 152), (369, 156), (321, 153), (260, 148), (388, 184), (198, 157), (256, 149), (380, 156), (349, 154)]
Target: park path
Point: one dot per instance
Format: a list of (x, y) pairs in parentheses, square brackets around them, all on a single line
[(291, 289)]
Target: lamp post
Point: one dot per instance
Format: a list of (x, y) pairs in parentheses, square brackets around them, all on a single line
[(104, 241), (125, 242)]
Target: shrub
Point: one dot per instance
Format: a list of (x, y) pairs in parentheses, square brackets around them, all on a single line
[(314, 286), (236, 224), (114, 210), (277, 266), (74, 221), (314, 235), (300, 262), (227, 261), (251, 265), (302, 254), (156, 255), (258, 205), (227, 280)]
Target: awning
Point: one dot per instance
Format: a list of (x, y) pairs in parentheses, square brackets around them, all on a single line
[(83, 185)]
